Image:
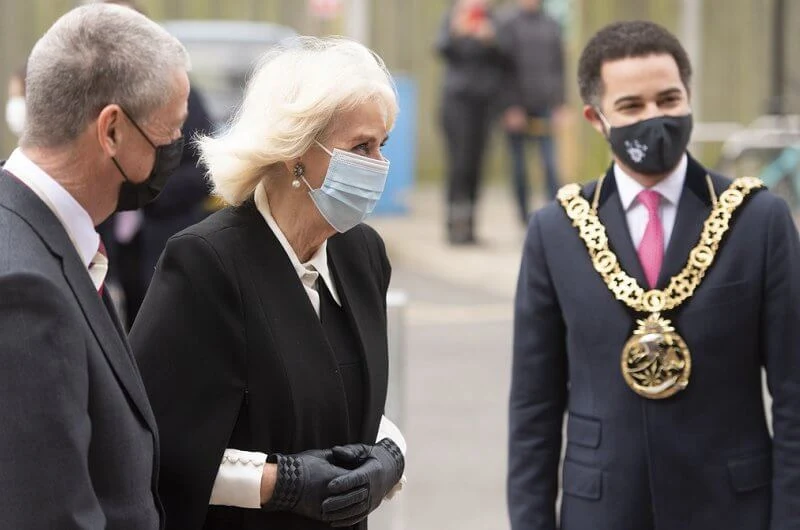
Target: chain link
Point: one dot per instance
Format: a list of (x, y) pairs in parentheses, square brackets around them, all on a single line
[(681, 286)]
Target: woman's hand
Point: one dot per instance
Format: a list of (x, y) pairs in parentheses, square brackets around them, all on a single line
[(472, 20), (515, 119), (485, 31)]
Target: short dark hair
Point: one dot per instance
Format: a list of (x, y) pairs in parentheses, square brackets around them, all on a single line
[(621, 40)]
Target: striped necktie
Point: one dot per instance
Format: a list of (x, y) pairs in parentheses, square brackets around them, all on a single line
[(98, 268)]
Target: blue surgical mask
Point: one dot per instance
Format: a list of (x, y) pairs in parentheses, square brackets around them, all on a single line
[(352, 187)]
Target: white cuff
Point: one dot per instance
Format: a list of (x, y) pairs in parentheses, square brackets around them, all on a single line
[(238, 481), (396, 489), (388, 429)]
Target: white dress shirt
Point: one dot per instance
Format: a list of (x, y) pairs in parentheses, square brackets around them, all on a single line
[(311, 270), (636, 213), (75, 220), (238, 481)]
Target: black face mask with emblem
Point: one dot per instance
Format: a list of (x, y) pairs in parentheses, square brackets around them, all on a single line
[(653, 146)]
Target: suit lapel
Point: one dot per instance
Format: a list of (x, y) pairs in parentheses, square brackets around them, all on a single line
[(112, 312), (613, 218), (112, 342), (360, 305), (693, 209), (26, 204)]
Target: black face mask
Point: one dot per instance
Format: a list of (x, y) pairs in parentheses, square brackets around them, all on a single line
[(168, 157), (651, 147)]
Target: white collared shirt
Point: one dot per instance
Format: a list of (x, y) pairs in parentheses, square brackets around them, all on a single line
[(238, 481), (636, 213), (311, 270), (75, 220)]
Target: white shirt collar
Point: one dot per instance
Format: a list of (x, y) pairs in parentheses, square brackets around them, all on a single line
[(76, 221), (318, 262), (670, 188)]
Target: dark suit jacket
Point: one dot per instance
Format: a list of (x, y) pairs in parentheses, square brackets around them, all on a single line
[(233, 356), (700, 459), (78, 443)]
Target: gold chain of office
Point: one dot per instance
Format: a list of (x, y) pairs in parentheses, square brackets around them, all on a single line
[(656, 362), (681, 286)]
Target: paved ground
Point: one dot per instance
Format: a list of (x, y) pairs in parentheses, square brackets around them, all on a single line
[(457, 344)]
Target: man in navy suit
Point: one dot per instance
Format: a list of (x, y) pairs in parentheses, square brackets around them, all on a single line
[(647, 304)]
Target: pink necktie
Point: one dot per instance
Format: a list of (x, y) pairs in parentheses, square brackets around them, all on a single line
[(651, 249)]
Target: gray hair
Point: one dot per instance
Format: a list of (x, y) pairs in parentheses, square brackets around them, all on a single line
[(93, 56)]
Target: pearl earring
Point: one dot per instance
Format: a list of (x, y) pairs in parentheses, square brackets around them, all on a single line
[(299, 171)]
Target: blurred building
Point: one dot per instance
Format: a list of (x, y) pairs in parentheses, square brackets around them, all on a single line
[(735, 40)]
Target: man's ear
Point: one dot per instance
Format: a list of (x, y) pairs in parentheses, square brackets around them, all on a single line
[(591, 115), (109, 132)]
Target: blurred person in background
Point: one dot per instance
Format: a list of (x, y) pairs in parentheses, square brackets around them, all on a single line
[(262, 339), (534, 92), (474, 71), (15, 104), (137, 239), (105, 101), (648, 302)]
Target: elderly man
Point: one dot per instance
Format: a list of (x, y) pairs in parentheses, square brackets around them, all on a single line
[(106, 98)]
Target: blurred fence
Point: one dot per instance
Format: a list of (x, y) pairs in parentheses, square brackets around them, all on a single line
[(731, 85)]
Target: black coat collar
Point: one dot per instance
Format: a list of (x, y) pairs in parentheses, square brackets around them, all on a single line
[(295, 327), (358, 298)]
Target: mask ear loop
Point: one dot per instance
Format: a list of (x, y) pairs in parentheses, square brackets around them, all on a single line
[(383, 158), (323, 148), (606, 123)]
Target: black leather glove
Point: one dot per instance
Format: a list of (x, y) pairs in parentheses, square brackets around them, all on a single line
[(376, 470), (302, 484)]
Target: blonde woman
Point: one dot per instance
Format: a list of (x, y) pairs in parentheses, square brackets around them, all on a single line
[(262, 340)]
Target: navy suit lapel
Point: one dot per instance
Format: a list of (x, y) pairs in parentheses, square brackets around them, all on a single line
[(613, 218), (27, 205), (359, 304), (693, 209)]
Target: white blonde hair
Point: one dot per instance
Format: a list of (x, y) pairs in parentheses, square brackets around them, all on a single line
[(292, 99)]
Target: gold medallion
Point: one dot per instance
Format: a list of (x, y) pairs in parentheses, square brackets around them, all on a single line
[(656, 362)]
